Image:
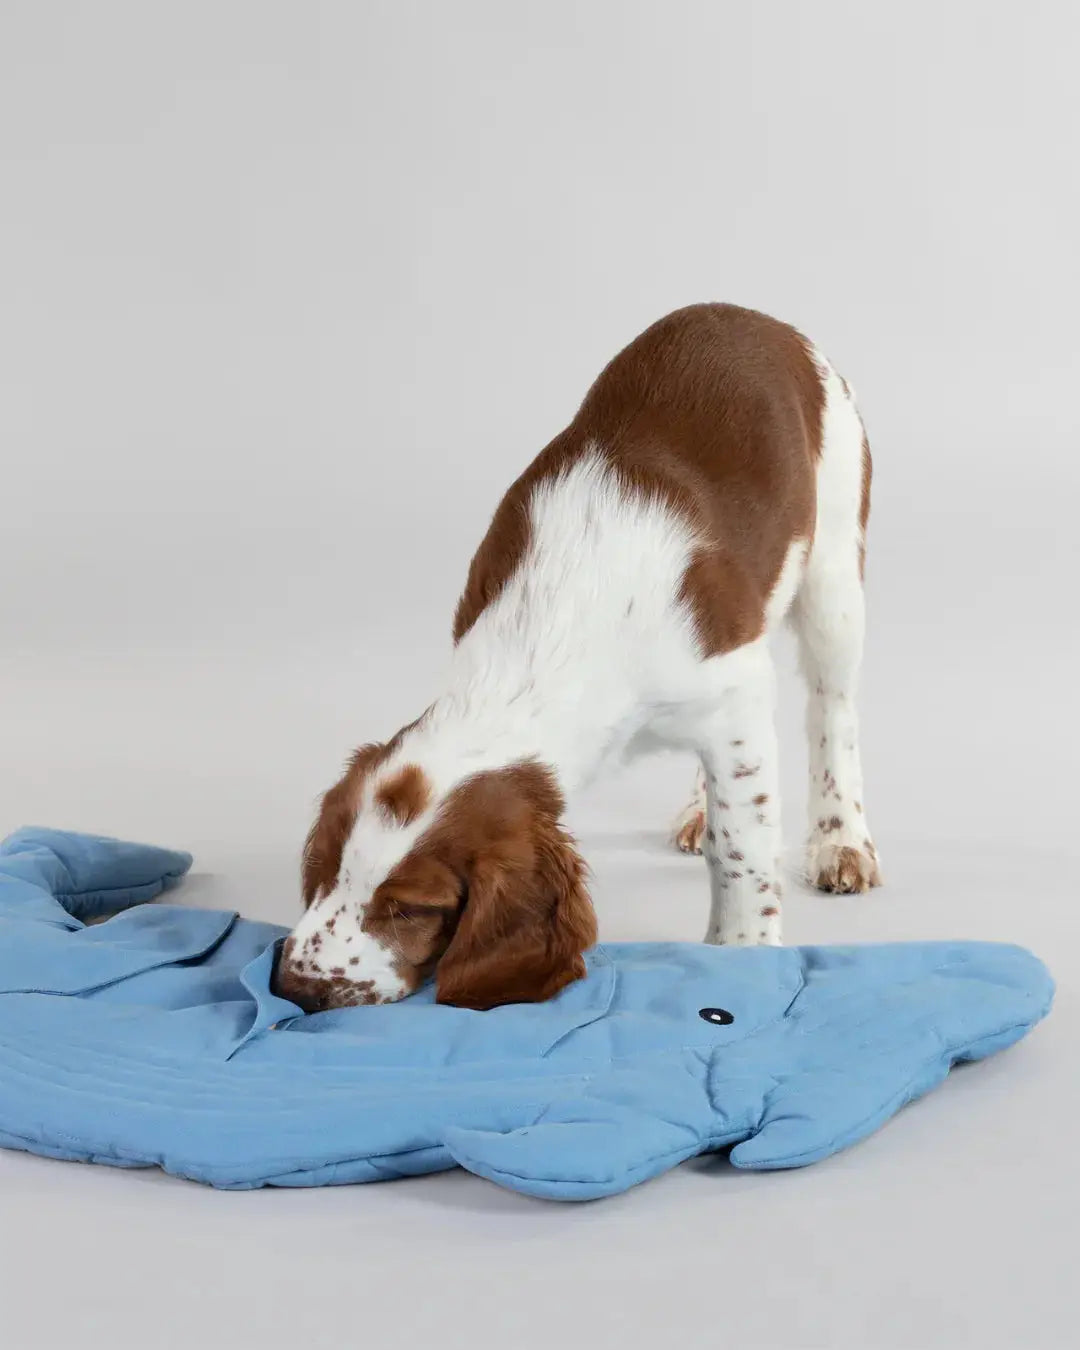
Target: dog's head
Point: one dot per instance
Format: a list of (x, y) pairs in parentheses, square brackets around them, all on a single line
[(479, 885)]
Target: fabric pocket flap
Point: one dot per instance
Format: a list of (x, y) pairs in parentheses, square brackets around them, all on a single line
[(38, 959)]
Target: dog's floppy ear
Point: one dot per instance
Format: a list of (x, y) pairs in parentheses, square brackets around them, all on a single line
[(527, 920)]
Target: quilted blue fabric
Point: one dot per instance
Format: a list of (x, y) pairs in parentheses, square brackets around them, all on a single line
[(153, 1039)]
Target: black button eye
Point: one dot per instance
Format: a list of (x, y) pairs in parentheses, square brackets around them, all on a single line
[(718, 1016)]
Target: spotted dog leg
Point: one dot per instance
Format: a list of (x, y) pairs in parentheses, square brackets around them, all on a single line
[(689, 827), (742, 835), (841, 855), (829, 619)]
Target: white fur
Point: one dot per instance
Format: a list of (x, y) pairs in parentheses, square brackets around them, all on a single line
[(585, 641)]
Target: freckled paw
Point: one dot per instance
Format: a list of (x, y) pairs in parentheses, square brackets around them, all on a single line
[(843, 869), (689, 832)]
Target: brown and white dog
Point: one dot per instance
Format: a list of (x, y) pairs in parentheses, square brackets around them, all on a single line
[(715, 479)]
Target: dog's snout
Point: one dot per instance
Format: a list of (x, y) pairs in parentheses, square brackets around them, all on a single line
[(298, 988), (317, 992)]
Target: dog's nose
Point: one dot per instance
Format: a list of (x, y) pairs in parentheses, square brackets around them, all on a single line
[(317, 991), (299, 988)]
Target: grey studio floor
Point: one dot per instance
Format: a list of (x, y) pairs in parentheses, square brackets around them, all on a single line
[(955, 1225)]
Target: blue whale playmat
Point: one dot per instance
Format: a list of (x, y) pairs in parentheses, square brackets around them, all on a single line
[(153, 1040)]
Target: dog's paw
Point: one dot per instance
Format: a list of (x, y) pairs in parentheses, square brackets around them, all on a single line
[(843, 869), (689, 830)]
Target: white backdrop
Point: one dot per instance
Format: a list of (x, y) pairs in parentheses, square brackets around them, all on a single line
[(290, 291)]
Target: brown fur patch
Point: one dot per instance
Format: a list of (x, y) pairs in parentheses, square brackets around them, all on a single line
[(527, 916), (717, 410), (688, 839), (845, 870), (492, 897), (495, 561), (404, 796), (864, 500)]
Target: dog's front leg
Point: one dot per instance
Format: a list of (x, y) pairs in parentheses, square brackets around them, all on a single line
[(742, 834)]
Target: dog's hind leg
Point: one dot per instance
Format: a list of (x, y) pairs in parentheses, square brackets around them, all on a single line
[(829, 619)]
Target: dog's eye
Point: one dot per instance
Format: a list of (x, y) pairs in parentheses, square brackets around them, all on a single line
[(718, 1016), (416, 913)]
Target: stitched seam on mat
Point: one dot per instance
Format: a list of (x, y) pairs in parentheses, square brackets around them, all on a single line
[(183, 1087)]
